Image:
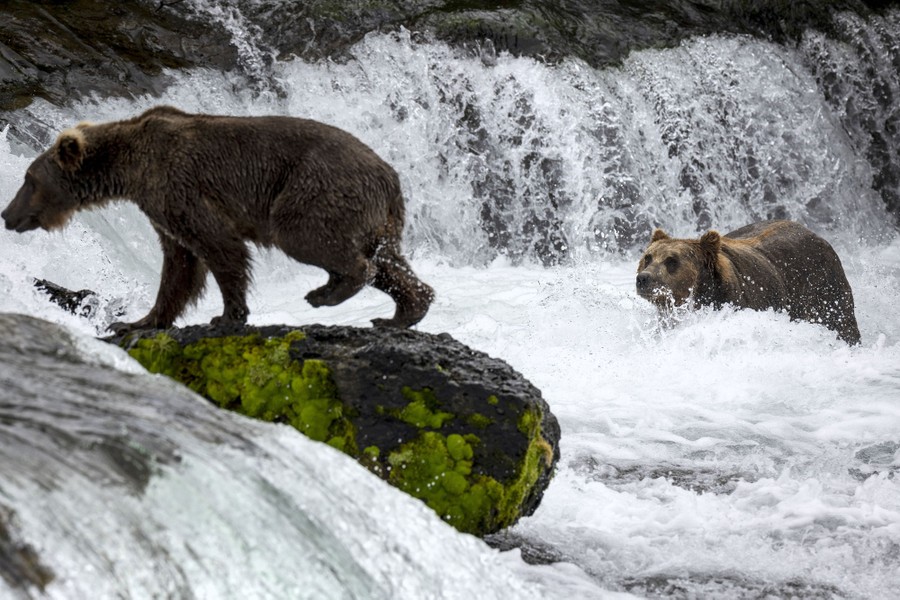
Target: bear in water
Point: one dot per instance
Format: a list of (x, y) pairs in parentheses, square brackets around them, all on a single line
[(771, 264), (210, 184)]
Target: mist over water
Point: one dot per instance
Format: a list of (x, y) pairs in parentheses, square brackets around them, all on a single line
[(731, 455)]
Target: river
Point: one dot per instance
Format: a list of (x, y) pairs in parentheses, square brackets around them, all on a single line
[(735, 454)]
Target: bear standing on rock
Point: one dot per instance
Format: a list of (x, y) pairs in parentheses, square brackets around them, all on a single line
[(772, 264), (210, 184)]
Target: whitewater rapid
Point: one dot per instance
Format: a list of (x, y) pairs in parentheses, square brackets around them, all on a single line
[(735, 454)]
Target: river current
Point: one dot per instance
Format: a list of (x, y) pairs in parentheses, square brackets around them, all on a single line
[(734, 454)]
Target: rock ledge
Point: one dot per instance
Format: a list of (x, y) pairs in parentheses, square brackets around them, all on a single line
[(461, 431)]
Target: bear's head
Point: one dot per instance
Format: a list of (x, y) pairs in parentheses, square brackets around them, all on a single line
[(671, 268), (46, 199)]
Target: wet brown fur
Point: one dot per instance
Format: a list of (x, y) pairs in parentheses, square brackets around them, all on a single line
[(772, 264), (210, 184)]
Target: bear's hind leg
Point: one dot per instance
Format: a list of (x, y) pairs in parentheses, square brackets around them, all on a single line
[(395, 277), (342, 285)]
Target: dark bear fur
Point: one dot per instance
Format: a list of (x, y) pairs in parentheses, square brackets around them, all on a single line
[(771, 264), (210, 184)]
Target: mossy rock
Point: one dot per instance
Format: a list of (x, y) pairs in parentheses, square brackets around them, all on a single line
[(461, 431)]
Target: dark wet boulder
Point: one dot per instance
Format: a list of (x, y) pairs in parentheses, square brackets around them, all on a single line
[(93, 47), (601, 33), (461, 431), (61, 51)]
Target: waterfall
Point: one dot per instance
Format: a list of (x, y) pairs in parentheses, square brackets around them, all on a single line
[(553, 162)]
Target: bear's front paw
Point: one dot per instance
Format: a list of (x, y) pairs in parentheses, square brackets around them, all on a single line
[(121, 328), (227, 324)]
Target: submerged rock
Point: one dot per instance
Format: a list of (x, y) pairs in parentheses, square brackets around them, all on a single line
[(77, 303), (461, 431), (20, 565)]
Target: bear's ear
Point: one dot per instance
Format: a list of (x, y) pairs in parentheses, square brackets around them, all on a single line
[(710, 242), (658, 234), (70, 149)]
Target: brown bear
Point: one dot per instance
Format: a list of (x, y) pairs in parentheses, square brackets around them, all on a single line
[(772, 264), (210, 184)]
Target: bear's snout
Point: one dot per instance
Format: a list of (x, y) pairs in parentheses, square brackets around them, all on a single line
[(643, 283), (20, 223), (649, 287), (5, 216)]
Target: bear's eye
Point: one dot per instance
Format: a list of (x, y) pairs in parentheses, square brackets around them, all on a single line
[(671, 264), (647, 260)]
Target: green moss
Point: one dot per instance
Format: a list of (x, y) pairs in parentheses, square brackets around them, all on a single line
[(458, 448), (438, 470), (538, 457), (479, 420), (493, 400), (423, 410), (256, 377), (427, 469), (527, 422), (370, 458)]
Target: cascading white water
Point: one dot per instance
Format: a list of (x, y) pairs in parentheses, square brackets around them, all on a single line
[(124, 485), (736, 454), (718, 132)]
